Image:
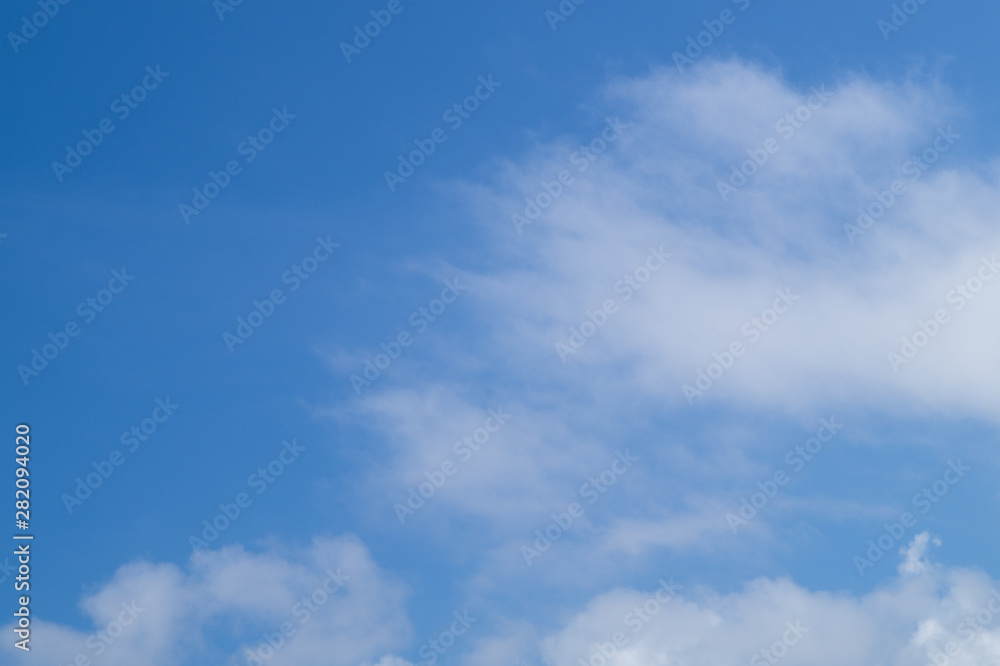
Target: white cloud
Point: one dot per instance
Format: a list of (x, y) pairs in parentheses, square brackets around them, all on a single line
[(514, 474), (390, 661), (186, 617), (657, 186), (340, 606), (913, 555), (785, 228), (903, 623)]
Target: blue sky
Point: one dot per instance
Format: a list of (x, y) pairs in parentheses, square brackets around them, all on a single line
[(576, 191)]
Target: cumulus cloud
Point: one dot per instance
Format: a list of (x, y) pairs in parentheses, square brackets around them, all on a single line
[(938, 614), (325, 604), (196, 616)]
